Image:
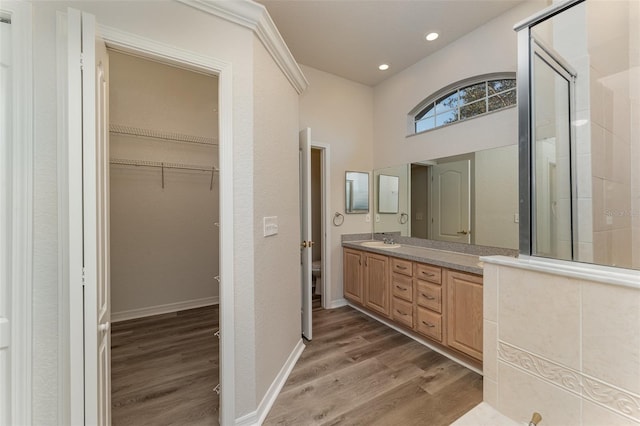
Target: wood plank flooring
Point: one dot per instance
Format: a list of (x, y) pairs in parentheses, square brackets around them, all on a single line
[(357, 371), (164, 369)]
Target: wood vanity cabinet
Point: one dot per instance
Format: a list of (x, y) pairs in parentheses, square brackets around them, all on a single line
[(428, 297), (440, 304), (353, 276), (366, 280), (464, 310), (402, 291), (376, 283)]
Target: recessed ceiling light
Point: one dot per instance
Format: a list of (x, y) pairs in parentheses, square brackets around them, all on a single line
[(432, 36), (383, 67)]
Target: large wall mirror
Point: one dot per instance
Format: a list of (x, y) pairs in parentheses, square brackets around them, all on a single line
[(388, 187), (357, 192), (470, 198)]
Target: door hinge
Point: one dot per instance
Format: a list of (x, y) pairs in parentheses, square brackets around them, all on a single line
[(81, 62), (83, 277)]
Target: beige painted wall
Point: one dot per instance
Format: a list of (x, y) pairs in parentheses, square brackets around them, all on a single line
[(164, 244), (276, 193), (339, 113), (496, 197), (490, 48)]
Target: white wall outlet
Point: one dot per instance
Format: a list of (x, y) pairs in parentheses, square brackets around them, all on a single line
[(270, 225), (516, 218), (367, 218), (609, 220)]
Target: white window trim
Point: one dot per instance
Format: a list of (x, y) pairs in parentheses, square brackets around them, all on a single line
[(411, 128)]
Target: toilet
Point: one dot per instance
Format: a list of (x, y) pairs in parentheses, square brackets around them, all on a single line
[(316, 271)]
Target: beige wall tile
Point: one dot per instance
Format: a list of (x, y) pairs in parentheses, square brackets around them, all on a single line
[(595, 415), (610, 335), (621, 248), (489, 351), (521, 394), (490, 292), (540, 313), (490, 392)]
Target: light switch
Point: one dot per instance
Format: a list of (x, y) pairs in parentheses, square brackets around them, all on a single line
[(377, 218), (367, 218), (516, 218), (270, 225)]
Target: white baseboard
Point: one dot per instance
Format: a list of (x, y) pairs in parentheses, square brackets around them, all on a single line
[(417, 339), (163, 309), (256, 418), (336, 304)]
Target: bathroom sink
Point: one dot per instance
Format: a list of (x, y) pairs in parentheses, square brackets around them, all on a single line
[(379, 244)]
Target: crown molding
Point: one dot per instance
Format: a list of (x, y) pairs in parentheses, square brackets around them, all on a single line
[(255, 17)]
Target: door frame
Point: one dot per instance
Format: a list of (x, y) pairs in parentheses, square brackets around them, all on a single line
[(325, 166), (151, 49), (19, 256)]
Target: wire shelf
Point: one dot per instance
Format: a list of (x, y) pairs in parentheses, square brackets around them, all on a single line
[(159, 134)]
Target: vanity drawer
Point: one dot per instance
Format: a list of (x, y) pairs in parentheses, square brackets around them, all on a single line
[(401, 266), (402, 312), (429, 323), (428, 273), (402, 287), (429, 295)]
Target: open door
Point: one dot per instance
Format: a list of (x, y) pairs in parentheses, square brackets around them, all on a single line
[(450, 202), (305, 230), (5, 230), (89, 211)]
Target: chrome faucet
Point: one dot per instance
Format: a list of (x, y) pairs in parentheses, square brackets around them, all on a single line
[(387, 240)]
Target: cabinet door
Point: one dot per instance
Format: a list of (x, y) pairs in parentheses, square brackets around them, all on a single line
[(464, 313), (353, 279), (376, 280)]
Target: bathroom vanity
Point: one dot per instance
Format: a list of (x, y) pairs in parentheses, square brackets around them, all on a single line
[(428, 293)]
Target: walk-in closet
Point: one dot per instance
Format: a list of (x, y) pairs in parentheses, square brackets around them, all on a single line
[(164, 236)]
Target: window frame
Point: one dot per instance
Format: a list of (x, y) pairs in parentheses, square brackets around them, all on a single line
[(454, 88)]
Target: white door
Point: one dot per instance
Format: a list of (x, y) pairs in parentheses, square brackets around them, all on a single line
[(89, 51), (305, 229), (450, 202), (5, 240)]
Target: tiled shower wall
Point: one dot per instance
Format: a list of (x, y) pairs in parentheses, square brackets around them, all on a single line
[(568, 348)]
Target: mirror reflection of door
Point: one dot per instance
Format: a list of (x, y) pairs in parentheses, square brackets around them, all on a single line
[(450, 201)]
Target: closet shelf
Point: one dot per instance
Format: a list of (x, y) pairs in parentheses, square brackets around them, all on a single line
[(142, 163), (159, 134)]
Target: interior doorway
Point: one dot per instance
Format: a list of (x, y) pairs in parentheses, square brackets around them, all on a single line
[(164, 221), (317, 188), (314, 213)]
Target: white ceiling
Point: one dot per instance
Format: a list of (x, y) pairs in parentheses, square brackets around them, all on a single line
[(350, 38)]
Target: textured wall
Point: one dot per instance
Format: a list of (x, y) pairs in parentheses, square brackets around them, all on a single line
[(339, 113), (164, 244), (276, 193), (490, 48)]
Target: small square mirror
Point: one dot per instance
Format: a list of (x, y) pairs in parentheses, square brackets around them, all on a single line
[(357, 192)]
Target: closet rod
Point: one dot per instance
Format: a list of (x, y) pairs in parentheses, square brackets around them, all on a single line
[(143, 163), (159, 134)]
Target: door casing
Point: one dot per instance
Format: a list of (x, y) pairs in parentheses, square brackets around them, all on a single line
[(151, 49)]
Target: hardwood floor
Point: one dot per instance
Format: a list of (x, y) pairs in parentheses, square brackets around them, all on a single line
[(357, 371), (164, 369)]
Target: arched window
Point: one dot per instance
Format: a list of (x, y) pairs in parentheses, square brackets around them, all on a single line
[(463, 100)]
